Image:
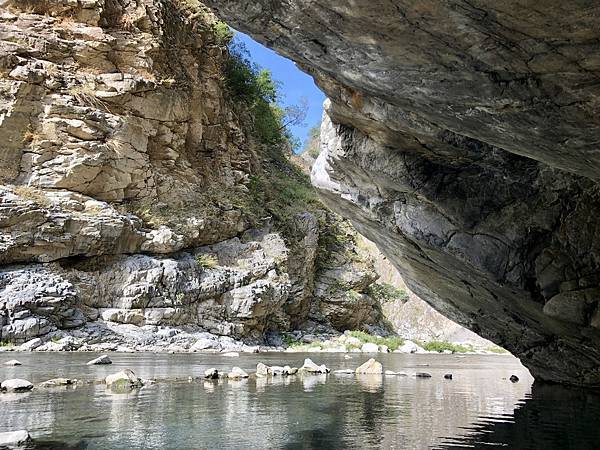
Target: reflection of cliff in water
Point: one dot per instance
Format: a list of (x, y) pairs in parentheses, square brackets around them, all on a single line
[(551, 418)]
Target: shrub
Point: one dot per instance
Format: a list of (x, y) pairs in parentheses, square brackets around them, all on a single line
[(385, 292), (207, 261), (223, 33), (440, 346)]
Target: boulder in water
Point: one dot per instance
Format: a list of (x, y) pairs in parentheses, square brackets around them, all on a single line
[(101, 360), (12, 439), (13, 362), (124, 379), (16, 385), (369, 347), (58, 382), (371, 367), (262, 370), (514, 378), (423, 375), (310, 367), (211, 374), (448, 376), (237, 373)]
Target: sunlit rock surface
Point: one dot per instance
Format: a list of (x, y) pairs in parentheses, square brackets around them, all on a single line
[(462, 138)]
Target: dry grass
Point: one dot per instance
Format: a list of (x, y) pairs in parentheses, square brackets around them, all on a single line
[(33, 194), (85, 95)]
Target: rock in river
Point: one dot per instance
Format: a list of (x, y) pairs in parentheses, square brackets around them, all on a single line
[(13, 439), (514, 378), (371, 367), (124, 379), (422, 375), (310, 367), (369, 347), (58, 382), (16, 385), (237, 373), (211, 374), (13, 362), (104, 359)]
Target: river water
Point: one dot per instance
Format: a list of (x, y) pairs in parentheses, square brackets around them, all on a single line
[(478, 408)]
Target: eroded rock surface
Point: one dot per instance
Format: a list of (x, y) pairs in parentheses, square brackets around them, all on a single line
[(134, 195), (462, 137)]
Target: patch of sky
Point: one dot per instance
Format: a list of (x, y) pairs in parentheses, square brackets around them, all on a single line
[(295, 86)]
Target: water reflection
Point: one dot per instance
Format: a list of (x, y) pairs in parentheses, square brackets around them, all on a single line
[(476, 409)]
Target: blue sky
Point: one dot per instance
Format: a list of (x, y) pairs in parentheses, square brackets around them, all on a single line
[(294, 83)]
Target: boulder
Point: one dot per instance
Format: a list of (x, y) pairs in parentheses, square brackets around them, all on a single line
[(408, 347), (14, 439), (31, 344), (448, 376), (290, 370), (371, 367), (211, 374), (16, 385), (423, 375), (351, 341), (58, 382), (384, 349), (123, 379), (514, 378), (310, 367), (231, 354), (277, 370), (101, 360), (369, 347), (237, 373), (262, 370), (204, 344), (13, 362)]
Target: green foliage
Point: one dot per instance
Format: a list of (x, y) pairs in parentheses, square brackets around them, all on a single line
[(55, 339), (392, 342), (385, 292), (255, 87), (312, 147), (498, 350), (207, 261), (6, 344), (223, 33), (291, 341), (440, 346)]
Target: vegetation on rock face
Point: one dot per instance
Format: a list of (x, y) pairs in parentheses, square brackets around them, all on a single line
[(312, 147), (207, 261), (385, 292)]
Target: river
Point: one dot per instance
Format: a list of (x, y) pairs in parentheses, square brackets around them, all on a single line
[(478, 408)]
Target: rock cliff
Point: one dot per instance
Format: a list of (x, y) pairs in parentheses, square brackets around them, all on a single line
[(462, 138), (135, 195)]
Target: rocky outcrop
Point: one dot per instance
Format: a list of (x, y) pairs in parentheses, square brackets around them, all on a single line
[(136, 198), (462, 138)]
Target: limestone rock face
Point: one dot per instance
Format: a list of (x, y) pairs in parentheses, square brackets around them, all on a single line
[(462, 139), (128, 189)]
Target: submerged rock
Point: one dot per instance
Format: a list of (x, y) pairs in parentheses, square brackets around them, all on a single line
[(13, 362), (58, 382), (423, 375), (448, 376), (16, 385), (514, 378), (123, 379), (371, 367), (101, 360), (12, 439)]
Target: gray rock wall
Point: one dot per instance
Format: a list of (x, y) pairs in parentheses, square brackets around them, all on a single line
[(463, 141)]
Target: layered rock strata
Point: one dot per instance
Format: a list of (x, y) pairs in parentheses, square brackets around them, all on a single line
[(462, 138)]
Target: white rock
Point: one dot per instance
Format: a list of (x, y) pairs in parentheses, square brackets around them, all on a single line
[(391, 372), (14, 438), (211, 374), (344, 372), (408, 347), (101, 360), (371, 367), (204, 344), (352, 341), (262, 370), (236, 373), (310, 367), (384, 349), (31, 345), (13, 362), (124, 378), (369, 347), (231, 354), (16, 385), (58, 382)]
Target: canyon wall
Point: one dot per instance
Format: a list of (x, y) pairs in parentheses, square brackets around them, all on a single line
[(462, 138), (135, 196)]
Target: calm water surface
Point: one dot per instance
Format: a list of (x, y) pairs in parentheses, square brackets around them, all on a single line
[(479, 408)]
